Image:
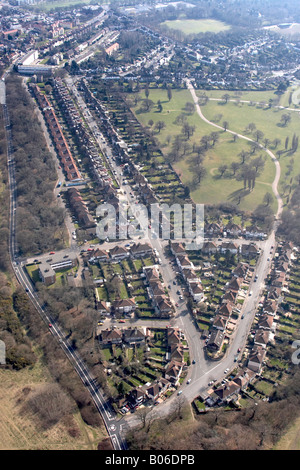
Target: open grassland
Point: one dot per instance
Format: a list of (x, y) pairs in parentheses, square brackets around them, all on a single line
[(20, 430), (51, 4), (197, 26), (266, 119), (291, 440), (213, 189)]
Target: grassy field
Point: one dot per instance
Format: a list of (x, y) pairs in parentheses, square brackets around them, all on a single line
[(197, 26), (291, 440), (267, 120), (51, 4), (20, 431), (213, 189)]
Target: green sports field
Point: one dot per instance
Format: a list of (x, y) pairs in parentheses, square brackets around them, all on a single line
[(197, 26)]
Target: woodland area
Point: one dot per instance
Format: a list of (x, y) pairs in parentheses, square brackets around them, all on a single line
[(40, 222), (21, 328)]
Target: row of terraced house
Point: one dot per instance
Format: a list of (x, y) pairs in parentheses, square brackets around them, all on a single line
[(62, 147)]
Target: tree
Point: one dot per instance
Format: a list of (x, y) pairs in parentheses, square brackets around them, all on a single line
[(243, 154), (258, 135), (225, 125), (234, 166), (276, 142), (169, 93), (189, 107), (160, 125), (285, 119), (214, 137), (222, 169), (226, 97), (268, 199), (188, 130)]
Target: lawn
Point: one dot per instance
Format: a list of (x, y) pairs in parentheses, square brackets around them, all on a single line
[(267, 120), (213, 189), (197, 26)]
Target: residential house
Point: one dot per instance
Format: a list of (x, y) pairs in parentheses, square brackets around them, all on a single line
[(123, 306), (229, 246), (234, 285), (219, 323), (213, 230), (261, 337), (176, 353), (228, 391), (256, 358), (103, 307), (134, 336), (270, 307), (265, 322), (163, 305), (184, 262), (232, 230), (137, 396), (189, 275), (151, 273), (229, 296), (109, 337), (177, 249), (279, 280), (196, 291), (241, 270), (141, 249), (173, 371), (216, 340), (254, 232), (118, 253), (156, 289), (157, 388), (173, 336), (225, 309), (249, 250), (209, 247)]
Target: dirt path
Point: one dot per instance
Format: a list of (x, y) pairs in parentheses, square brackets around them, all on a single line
[(241, 136)]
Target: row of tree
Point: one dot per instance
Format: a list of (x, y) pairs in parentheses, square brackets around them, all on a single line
[(40, 222)]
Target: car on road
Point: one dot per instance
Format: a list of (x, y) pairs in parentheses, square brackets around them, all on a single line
[(189, 381), (226, 370), (52, 253), (50, 325), (122, 321), (180, 392), (193, 361)]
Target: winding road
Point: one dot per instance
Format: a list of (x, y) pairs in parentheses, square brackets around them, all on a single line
[(241, 136)]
